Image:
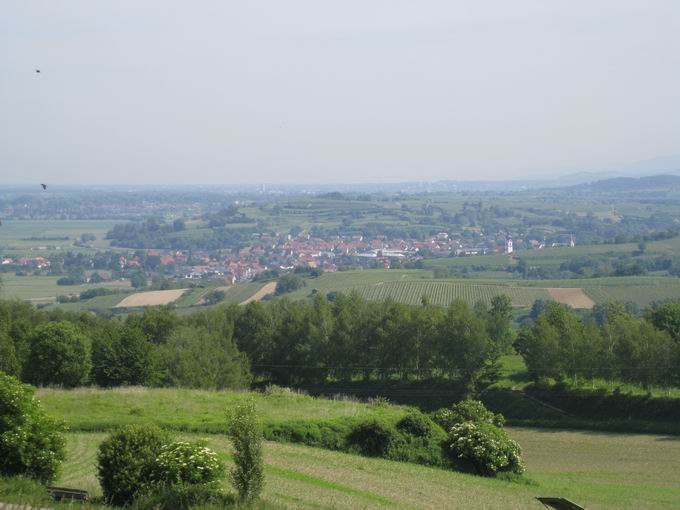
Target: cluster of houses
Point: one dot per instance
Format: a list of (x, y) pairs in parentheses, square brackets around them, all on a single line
[(27, 262), (285, 252)]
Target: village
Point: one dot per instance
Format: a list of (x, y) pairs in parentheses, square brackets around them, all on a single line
[(277, 252)]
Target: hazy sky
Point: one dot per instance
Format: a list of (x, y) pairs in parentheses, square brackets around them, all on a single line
[(333, 91)]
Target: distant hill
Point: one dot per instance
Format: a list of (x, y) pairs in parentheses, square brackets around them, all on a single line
[(653, 182)]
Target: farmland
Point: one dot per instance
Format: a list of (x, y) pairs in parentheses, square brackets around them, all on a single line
[(151, 298), (600, 471), (40, 237), (409, 286), (45, 288), (443, 292)]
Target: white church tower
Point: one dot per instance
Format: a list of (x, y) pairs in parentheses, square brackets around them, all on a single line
[(508, 246)]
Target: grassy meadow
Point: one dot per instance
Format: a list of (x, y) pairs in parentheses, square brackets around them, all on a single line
[(45, 287), (597, 470), (92, 409), (40, 237)]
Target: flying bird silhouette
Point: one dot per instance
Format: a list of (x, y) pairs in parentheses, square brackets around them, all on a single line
[(44, 186)]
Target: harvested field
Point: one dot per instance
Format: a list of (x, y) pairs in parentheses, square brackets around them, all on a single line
[(575, 298), (151, 298), (268, 289)]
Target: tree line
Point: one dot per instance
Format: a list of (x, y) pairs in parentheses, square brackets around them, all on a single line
[(345, 338), (612, 344)]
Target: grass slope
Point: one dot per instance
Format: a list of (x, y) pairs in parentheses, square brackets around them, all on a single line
[(599, 471), (92, 409)]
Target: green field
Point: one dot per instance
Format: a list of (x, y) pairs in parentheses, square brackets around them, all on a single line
[(96, 303), (92, 409), (640, 295), (599, 471), (409, 286), (444, 292), (16, 235), (42, 287)]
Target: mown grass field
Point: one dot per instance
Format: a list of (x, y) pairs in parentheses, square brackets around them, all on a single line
[(600, 471), (41, 287)]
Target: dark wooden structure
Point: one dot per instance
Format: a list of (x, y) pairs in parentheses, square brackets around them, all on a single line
[(63, 493), (560, 504)]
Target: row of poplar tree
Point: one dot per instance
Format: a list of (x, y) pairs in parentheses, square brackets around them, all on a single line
[(346, 339)]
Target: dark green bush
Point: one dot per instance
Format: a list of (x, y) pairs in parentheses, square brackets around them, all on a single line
[(374, 438), (415, 424), (31, 443), (466, 410), (126, 459), (331, 435)]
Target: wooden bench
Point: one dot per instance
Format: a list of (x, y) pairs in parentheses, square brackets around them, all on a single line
[(62, 493), (560, 504)]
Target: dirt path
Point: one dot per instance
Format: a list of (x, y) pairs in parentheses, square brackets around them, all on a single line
[(268, 289), (574, 297)]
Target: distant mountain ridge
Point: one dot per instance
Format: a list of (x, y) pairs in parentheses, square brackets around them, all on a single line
[(647, 183)]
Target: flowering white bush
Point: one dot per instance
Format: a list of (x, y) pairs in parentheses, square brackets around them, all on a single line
[(186, 463), (486, 448)]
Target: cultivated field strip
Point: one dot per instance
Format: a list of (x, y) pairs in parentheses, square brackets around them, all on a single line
[(443, 292), (642, 296)]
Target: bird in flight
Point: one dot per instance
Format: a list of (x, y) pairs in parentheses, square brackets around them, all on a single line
[(44, 186)]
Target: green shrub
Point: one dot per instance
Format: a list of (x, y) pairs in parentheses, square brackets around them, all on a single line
[(126, 459), (374, 438), (466, 410), (31, 443), (415, 424), (331, 434), (186, 464), (485, 448), (246, 436)]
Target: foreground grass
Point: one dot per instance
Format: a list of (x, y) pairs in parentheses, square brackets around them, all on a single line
[(599, 471), (91, 409)]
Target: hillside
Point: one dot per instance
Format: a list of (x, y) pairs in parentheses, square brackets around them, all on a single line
[(599, 471)]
